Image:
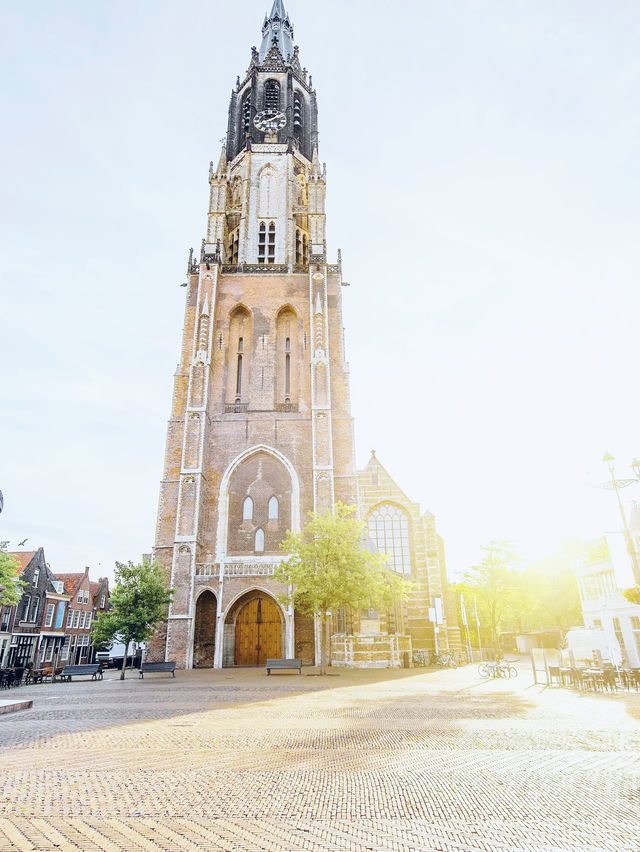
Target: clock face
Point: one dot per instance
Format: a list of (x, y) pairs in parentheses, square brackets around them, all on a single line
[(270, 120)]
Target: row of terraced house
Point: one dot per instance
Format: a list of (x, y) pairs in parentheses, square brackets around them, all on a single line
[(52, 622)]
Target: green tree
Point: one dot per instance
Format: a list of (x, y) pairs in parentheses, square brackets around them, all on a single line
[(138, 604), (329, 567), (496, 586), (633, 595), (10, 582), (553, 588)]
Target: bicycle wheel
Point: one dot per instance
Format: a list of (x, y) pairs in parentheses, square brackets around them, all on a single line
[(513, 671), (484, 670), (502, 671)]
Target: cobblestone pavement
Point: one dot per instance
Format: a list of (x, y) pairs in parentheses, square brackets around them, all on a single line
[(235, 760)]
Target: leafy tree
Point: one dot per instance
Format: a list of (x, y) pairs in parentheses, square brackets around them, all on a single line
[(138, 603), (329, 567), (496, 586), (553, 588), (633, 595), (10, 583)]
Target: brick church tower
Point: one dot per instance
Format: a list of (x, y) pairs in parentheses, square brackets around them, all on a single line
[(260, 431)]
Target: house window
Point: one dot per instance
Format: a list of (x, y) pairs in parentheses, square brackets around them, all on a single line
[(4, 624), (89, 617), (76, 618), (64, 652), (35, 605), (70, 618), (273, 509), (247, 510), (49, 651), (389, 529), (103, 601), (83, 618), (36, 577), (25, 608), (259, 546), (49, 617)]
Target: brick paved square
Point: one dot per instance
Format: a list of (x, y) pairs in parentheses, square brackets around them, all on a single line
[(233, 760)]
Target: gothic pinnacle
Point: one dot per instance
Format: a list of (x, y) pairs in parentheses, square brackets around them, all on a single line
[(277, 31)]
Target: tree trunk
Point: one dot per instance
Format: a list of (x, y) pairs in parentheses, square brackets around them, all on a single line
[(323, 644), (124, 660)]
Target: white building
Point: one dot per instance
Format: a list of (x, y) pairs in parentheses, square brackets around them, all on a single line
[(603, 572)]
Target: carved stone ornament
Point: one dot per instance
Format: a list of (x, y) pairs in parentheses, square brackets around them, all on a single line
[(184, 549), (318, 276), (209, 277), (189, 480), (194, 416)]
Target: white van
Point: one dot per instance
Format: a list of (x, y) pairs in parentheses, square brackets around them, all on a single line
[(584, 642)]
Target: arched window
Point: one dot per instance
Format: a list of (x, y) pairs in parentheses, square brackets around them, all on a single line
[(271, 255), (272, 95), (245, 119), (273, 509), (239, 367), (389, 529), (259, 545), (262, 243), (247, 510)]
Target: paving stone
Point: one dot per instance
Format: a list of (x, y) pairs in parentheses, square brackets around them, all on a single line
[(380, 761)]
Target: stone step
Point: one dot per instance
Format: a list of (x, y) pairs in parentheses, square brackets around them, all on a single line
[(12, 706)]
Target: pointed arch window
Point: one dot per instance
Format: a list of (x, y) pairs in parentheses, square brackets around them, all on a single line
[(262, 243), (245, 114), (234, 246), (271, 246), (389, 529), (259, 543), (239, 367), (298, 117), (302, 248), (247, 510), (272, 95), (274, 509)]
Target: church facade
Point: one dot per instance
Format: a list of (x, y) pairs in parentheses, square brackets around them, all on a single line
[(261, 431)]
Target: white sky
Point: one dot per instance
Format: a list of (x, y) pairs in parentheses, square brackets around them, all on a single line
[(484, 185)]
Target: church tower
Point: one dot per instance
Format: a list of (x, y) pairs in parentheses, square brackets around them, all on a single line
[(261, 430)]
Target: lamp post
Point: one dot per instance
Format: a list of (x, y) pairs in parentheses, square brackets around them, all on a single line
[(616, 485)]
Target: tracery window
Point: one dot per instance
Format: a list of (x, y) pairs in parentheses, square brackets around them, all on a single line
[(271, 247), (262, 243), (389, 529), (259, 545)]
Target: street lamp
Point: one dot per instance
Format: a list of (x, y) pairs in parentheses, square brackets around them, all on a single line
[(616, 485)]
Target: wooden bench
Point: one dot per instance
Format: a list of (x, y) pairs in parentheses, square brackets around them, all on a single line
[(158, 667), (93, 669), (284, 664)]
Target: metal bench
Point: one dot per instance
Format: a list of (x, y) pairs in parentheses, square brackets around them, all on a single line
[(169, 666), (93, 669), (284, 664)]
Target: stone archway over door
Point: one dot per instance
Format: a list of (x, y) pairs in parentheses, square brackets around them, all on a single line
[(258, 633), (204, 640)]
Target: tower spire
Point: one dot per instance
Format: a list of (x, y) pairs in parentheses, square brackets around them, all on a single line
[(277, 30)]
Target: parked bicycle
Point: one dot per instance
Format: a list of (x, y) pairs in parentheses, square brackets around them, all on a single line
[(494, 669), (421, 657), (446, 660)]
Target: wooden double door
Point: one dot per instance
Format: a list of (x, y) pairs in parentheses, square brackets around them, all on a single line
[(258, 633)]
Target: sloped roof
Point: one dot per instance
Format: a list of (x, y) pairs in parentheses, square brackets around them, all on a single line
[(23, 558), (70, 581)]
